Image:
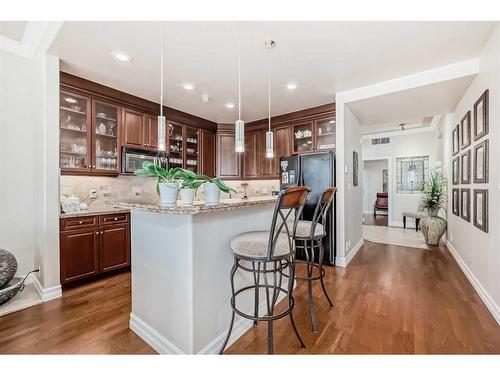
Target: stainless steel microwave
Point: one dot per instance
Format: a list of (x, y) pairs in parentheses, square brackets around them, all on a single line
[(132, 158)]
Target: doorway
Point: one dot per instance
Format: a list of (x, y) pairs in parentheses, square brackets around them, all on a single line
[(376, 191)]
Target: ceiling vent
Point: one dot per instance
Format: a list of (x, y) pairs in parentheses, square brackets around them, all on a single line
[(381, 141)]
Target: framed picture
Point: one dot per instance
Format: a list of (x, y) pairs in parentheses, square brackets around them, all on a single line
[(465, 204), (481, 116), (465, 128), (465, 164), (355, 168), (455, 166), (481, 163), (455, 198), (455, 136), (481, 209)]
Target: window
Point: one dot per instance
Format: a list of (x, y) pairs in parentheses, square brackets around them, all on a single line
[(411, 174)]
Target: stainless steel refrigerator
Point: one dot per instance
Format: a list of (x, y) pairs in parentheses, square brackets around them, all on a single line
[(317, 172)]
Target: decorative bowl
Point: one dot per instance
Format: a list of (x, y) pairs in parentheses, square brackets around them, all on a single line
[(8, 267), (11, 289)]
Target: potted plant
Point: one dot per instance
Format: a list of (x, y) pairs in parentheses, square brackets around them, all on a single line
[(167, 185), (212, 186), (433, 226), (189, 185)]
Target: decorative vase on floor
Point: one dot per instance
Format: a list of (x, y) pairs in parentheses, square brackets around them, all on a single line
[(433, 227), (187, 196), (211, 192), (168, 193), (8, 267)]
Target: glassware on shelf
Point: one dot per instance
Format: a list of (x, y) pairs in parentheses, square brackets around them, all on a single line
[(326, 134)]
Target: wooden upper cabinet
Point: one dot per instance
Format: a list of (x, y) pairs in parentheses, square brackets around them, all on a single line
[(228, 161), (326, 134), (265, 164), (207, 153), (105, 137), (282, 146), (151, 125), (250, 156), (303, 137), (133, 128)]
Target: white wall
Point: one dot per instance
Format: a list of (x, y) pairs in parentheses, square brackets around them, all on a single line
[(353, 194), (29, 142), (477, 252), (373, 182), (415, 144)]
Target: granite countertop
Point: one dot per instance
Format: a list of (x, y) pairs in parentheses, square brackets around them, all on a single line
[(98, 208), (198, 207)]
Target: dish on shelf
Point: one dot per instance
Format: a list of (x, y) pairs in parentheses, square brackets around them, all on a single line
[(101, 128), (76, 108), (72, 127), (101, 115)]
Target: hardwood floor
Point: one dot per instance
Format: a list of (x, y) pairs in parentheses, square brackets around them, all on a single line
[(378, 220), (88, 319), (390, 299)]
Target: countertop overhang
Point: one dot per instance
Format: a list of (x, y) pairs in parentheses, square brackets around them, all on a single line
[(199, 207)]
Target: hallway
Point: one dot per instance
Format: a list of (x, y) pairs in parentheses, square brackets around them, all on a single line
[(389, 300)]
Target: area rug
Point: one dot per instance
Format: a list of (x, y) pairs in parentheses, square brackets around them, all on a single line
[(395, 236)]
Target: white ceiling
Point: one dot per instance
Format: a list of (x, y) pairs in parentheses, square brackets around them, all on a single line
[(386, 112), (13, 29), (323, 58)]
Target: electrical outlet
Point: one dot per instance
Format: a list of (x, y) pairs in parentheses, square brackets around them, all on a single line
[(137, 190), (347, 245), (93, 194)]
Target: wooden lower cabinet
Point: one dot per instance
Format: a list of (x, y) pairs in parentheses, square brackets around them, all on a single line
[(90, 251), (79, 254)]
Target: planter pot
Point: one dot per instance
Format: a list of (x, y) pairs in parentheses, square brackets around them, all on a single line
[(187, 196), (168, 193), (211, 192), (433, 228)]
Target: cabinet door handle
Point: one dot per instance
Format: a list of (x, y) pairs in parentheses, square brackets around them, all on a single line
[(102, 232), (97, 233), (80, 222), (116, 218)]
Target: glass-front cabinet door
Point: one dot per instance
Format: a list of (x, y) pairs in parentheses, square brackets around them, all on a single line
[(106, 118), (75, 139), (302, 136), (175, 145), (192, 148), (325, 134)]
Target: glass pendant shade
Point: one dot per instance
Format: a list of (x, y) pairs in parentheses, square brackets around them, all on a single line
[(239, 136), (162, 146), (269, 145)]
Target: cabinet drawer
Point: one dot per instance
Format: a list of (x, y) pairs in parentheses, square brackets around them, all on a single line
[(79, 222), (113, 218)]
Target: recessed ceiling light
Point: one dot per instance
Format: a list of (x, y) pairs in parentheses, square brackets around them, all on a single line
[(121, 56), (188, 86), (291, 86), (69, 100), (229, 105)]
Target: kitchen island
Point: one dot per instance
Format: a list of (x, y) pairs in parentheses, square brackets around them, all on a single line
[(181, 259)]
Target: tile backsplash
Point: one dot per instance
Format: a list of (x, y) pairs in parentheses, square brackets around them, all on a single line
[(133, 187)]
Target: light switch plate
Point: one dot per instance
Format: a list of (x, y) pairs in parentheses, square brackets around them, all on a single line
[(346, 169)]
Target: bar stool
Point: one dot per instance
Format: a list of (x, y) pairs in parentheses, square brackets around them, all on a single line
[(270, 253), (308, 237)]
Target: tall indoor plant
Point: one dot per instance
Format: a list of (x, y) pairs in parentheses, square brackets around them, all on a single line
[(433, 226)]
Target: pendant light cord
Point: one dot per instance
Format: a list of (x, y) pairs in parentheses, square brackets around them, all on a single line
[(239, 80), (269, 94), (161, 71)]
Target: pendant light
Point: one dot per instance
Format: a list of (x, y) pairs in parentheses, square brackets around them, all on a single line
[(161, 159), (269, 133), (239, 125)]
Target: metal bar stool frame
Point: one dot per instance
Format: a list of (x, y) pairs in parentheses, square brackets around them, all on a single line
[(309, 244), (289, 200)]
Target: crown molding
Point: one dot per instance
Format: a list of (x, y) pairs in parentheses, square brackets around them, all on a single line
[(38, 36)]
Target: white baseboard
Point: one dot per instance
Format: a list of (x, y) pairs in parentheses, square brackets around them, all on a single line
[(46, 294), (488, 301), (152, 337), (164, 346), (343, 262)]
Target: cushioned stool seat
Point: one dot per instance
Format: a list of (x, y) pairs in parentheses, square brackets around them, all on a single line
[(304, 229), (255, 245)]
